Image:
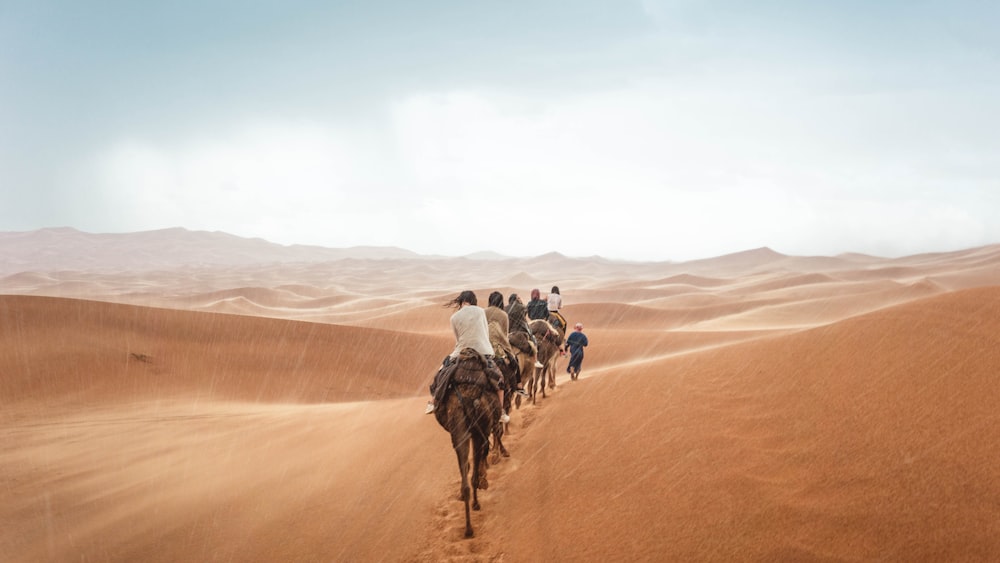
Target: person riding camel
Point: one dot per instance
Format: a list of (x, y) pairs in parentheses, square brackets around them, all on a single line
[(471, 331), (518, 316), (537, 307), (554, 301), (499, 324)]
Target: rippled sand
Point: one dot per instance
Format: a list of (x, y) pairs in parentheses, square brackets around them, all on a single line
[(750, 407)]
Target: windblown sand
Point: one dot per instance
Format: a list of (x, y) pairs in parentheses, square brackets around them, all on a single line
[(752, 407)]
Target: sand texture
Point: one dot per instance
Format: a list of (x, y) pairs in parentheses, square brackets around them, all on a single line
[(751, 407)]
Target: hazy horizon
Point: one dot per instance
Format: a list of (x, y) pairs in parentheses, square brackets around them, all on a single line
[(486, 254), (653, 130)]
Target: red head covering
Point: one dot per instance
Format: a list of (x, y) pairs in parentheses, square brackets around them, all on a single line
[(535, 294)]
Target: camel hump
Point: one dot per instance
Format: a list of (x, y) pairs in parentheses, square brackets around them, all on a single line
[(521, 341), (470, 359), (472, 367)]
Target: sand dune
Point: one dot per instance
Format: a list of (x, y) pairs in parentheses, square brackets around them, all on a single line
[(866, 439), (88, 351), (752, 407)]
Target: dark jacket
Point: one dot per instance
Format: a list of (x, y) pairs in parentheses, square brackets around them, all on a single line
[(515, 313), (538, 309)]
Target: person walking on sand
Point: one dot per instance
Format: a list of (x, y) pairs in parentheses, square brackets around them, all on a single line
[(576, 343), (471, 331)]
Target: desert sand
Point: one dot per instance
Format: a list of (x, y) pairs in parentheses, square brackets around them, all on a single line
[(750, 407)]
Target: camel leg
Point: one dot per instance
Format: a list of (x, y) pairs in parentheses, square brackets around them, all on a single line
[(530, 365), (523, 370), (478, 476), (498, 432), (484, 483), (534, 385), (462, 451), (485, 461), (528, 376)]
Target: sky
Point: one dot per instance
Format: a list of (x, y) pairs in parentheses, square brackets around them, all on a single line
[(635, 130)]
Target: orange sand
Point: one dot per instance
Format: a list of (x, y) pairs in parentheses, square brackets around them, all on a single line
[(749, 407)]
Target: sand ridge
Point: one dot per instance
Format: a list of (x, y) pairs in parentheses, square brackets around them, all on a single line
[(754, 407)]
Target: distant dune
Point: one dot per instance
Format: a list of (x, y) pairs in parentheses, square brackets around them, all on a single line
[(70, 249), (268, 406)]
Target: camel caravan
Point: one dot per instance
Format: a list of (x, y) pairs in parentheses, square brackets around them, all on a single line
[(502, 355)]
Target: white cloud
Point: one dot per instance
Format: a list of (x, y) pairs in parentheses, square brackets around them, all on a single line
[(652, 173), (641, 172), (632, 174), (266, 180)]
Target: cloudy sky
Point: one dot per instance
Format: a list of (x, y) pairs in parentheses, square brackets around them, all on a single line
[(649, 130)]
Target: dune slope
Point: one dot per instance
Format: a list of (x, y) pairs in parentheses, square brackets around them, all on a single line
[(867, 439), (68, 349)]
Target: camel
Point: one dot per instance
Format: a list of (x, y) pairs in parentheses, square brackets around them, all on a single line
[(509, 370), (505, 359), (558, 322), (549, 340), (470, 412), (521, 343)]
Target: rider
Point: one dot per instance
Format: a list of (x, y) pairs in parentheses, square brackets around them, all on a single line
[(555, 303), (518, 316), (471, 331), (537, 308), (499, 324)]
